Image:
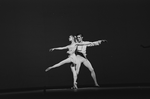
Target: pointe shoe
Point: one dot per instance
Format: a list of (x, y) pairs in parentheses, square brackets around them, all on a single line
[(74, 87)]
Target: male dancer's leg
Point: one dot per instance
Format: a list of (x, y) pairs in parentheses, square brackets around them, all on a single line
[(78, 64), (87, 63)]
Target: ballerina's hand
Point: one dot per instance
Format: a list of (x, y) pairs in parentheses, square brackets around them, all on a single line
[(52, 49)]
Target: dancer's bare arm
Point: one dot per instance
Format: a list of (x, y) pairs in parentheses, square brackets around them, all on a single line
[(98, 42), (83, 43), (95, 43), (87, 43), (58, 48)]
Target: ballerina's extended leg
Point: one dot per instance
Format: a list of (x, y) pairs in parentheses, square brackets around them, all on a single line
[(59, 64)]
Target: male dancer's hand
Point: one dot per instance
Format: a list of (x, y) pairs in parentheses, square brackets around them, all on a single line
[(104, 40), (100, 41)]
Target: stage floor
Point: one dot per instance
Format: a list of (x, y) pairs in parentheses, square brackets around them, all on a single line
[(81, 93)]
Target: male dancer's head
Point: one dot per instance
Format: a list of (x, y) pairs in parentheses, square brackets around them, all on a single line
[(79, 37)]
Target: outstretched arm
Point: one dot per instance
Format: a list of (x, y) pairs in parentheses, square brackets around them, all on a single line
[(95, 43), (87, 43), (84, 43), (58, 48), (98, 42)]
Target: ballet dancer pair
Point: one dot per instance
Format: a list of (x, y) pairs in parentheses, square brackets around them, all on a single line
[(77, 56)]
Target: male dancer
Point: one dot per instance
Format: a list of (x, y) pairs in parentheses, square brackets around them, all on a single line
[(81, 55)]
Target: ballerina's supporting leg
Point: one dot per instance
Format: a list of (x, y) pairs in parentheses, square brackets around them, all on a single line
[(74, 76), (59, 64)]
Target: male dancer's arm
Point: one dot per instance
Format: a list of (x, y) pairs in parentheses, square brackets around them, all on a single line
[(95, 43), (98, 42)]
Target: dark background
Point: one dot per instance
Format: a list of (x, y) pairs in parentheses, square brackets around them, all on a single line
[(29, 28)]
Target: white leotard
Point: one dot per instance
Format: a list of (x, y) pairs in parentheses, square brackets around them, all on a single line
[(71, 52)]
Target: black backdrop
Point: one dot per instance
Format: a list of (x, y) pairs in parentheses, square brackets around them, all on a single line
[(30, 28)]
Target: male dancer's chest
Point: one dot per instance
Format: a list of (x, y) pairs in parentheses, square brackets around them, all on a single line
[(81, 48)]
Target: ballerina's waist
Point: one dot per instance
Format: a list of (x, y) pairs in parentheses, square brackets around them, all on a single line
[(70, 52)]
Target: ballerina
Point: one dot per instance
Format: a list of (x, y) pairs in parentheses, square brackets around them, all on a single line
[(71, 58)]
